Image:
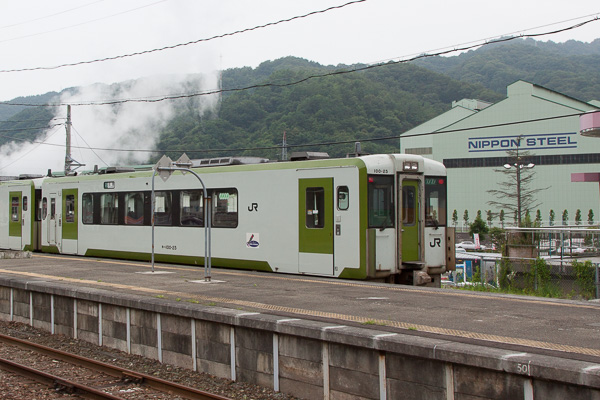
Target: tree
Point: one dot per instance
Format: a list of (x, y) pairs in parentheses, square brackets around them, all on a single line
[(478, 226), (454, 218), (538, 218), (552, 216), (578, 217), (565, 217), (490, 217), (591, 217), (515, 191), (466, 217)]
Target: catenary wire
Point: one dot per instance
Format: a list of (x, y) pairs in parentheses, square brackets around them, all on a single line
[(184, 44)]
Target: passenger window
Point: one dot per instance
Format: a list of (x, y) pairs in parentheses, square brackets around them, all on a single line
[(70, 208), (162, 208), (87, 207), (343, 198), (134, 208), (14, 209), (24, 203), (225, 208), (409, 211), (192, 208), (381, 201), (109, 207), (315, 207), (52, 208), (44, 208)]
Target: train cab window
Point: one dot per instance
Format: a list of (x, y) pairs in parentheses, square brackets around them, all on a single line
[(14, 209), (44, 208), (24, 203), (87, 208), (70, 208), (52, 208), (225, 208), (162, 208), (192, 209), (134, 208), (109, 208), (409, 205), (380, 190), (435, 201), (343, 198), (315, 207)]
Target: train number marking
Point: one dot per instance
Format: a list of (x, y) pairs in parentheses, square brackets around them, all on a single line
[(169, 247), (380, 171), (253, 207)]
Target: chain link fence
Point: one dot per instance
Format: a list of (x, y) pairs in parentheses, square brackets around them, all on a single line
[(550, 262)]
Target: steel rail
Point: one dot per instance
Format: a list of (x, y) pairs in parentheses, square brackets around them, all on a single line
[(56, 382), (114, 371)]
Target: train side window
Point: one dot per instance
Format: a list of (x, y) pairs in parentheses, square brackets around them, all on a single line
[(14, 209), (162, 208), (343, 198), (109, 208), (70, 208), (315, 207), (87, 207), (52, 208), (409, 209), (44, 208), (24, 203), (225, 208), (134, 208), (192, 208)]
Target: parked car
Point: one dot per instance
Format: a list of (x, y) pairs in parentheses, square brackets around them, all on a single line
[(469, 246)]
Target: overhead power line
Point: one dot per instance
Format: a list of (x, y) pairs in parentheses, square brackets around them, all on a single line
[(183, 44), (49, 16), (82, 23), (349, 141), (156, 99)]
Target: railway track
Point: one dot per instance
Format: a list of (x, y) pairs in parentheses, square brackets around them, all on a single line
[(88, 378)]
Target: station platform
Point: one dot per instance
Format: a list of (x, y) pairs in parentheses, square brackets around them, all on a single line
[(562, 328)]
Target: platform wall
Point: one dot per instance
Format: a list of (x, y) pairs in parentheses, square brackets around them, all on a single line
[(304, 358)]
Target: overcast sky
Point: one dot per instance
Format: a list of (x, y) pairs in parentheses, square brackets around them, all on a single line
[(41, 33)]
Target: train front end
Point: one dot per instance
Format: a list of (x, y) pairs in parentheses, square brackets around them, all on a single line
[(408, 240)]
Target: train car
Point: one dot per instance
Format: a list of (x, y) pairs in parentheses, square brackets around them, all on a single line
[(377, 217)]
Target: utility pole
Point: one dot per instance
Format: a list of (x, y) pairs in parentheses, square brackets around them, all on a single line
[(69, 162), (68, 147), (284, 155)]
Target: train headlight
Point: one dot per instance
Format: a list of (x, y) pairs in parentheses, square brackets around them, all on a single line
[(410, 166)]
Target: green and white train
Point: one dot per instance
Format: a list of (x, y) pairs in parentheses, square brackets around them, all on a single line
[(380, 217)]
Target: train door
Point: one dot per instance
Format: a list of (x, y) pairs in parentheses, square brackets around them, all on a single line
[(53, 218), (315, 226), (69, 230), (15, 224), (409, 217)]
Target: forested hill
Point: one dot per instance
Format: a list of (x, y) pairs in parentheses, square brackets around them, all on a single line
[(571, 68), (369, 104), (376, 103)]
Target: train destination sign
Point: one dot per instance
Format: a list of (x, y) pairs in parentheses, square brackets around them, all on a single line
[(528, 142)]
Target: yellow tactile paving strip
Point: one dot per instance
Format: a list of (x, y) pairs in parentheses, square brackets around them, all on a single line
[(314, 313)]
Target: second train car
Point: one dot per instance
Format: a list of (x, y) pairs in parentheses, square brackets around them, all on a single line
[(379, 217)]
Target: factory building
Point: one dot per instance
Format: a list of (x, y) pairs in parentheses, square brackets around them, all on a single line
[(473, 137)]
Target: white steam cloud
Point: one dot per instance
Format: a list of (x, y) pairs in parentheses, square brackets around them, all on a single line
[(95, 128)]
